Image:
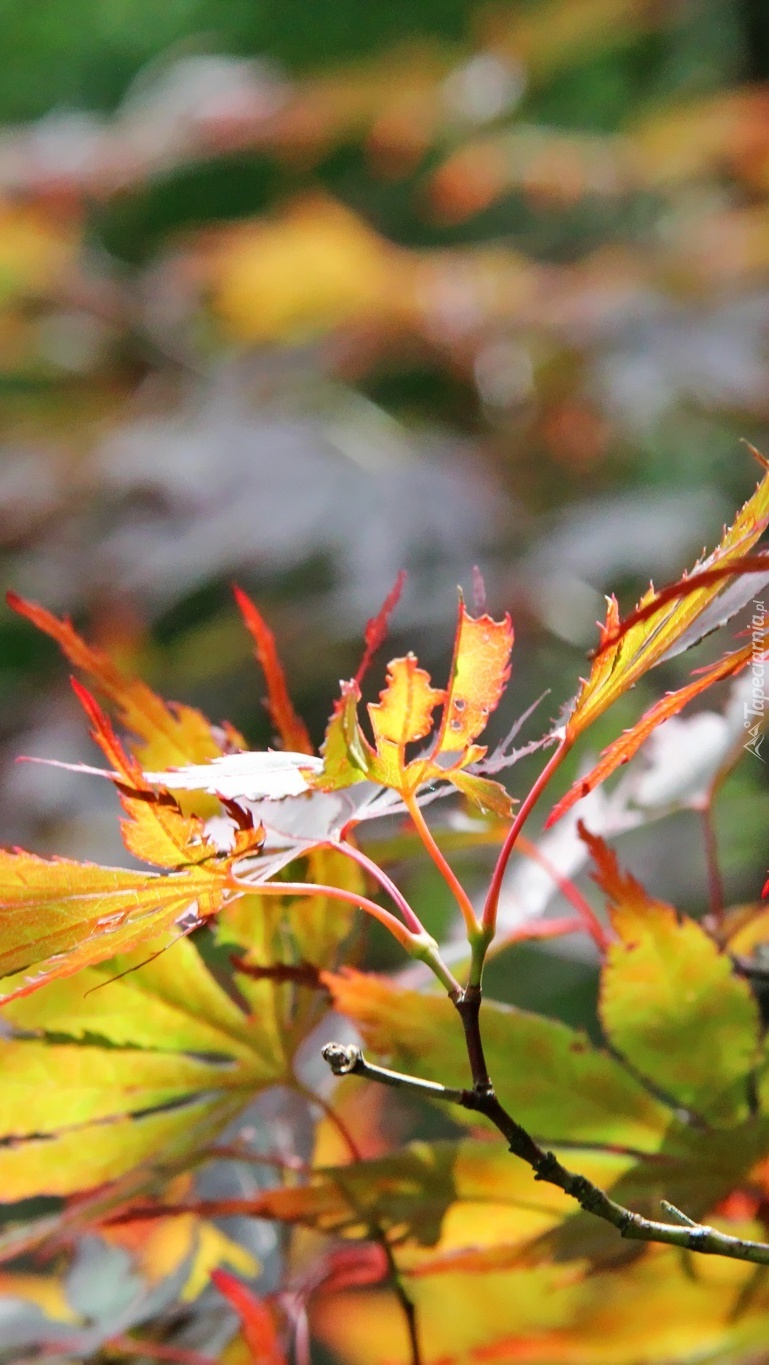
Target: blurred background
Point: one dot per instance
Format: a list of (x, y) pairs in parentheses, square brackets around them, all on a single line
[(299, 294)]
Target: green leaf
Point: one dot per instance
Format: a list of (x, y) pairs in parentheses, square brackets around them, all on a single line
[(671, 1005), (172, 1037), (169, 1003)]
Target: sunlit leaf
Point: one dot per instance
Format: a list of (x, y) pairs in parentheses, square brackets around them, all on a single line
[(84, 1157), (619, 665), (292, 730), (170, 733), (479, 674), (149, 999), (670, 1002), (57, 916)]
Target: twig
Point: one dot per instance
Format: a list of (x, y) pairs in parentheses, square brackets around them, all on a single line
[(449, 876), (495, 886), (684, 1233), (157, 1350), (378, 1233), (715, 879)]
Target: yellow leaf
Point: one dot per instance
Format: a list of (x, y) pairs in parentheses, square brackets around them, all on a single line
[(58, 916), (404, 712), (623, 658), (314, 267), (172, 734), (83, 1158)]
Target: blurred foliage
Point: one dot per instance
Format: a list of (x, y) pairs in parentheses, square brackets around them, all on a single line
[(299, 294)]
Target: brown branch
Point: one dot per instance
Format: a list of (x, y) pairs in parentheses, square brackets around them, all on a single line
[(683, 1233), (378, 1233)]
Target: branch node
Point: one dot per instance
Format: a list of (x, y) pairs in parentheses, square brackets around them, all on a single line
[(344, 1061), (677, 1214)]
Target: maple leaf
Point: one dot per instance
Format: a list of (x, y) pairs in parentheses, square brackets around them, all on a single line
[(664, 624), (622, 749), (58, 916), (259, 1332), (403, 716), (145, 1056), (670, 1001), (382, 771), (170, 732), (290, 727)]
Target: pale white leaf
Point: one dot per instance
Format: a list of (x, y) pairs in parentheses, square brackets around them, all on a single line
[(249, 776)]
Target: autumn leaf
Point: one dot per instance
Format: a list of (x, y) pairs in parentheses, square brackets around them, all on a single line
[(58, 916), (625, 656), (664, 624), (291, 729), (403, 716), (671, 1003), (141, 1059), (169, 733), (479, 674), (259, 1329), (622, 749)]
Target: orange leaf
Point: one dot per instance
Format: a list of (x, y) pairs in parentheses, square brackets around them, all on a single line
[(625, 654), (258, 1325), (288, 724), (627, 744), (479, 672), (172, 734), (156, 831), (376, 628)]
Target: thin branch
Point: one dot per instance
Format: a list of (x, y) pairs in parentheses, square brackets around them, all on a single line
[(590, 921), (715, 879), (449, 876), (687, 1234), (411, 920), (500, 867)]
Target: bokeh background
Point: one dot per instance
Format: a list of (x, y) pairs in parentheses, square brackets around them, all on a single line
[(299, 294)]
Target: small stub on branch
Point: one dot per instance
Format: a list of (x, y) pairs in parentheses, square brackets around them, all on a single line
[(342, 1060)]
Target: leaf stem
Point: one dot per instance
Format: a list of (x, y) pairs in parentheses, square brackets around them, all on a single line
[(495, 886), (449, 876), (411, 919), (421, 945), (590, 921), (404, 936)]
